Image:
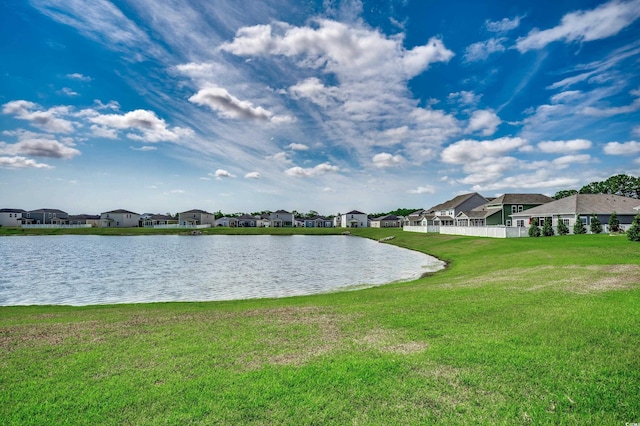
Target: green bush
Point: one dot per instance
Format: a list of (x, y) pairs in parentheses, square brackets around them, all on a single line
[(579, 228), (614, 223), (562, 228), (534, 230), (547, 228), (596, 226), (634, 232)]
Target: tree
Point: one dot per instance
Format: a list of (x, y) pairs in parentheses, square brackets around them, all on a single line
[(534, 230), (614, 223), (565, 193), (547, 228), (562, 228), (596, 226), (579, 228), (633, 234)]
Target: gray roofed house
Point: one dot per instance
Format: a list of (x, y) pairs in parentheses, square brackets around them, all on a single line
[(497, 211), (196, 217), (582, 207), (119, 218), (388, 221), (445, 213), (11, 217), (45, 216)]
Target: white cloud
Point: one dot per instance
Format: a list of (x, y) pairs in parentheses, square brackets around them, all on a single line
[(69, 92), (611, 111), (221, 173), (485, 121), (464, 97), (22, 163), (280, 157), (385, 160), (297, 147), (427, 189), (314, 90), (252, 175), (320, 169), (146, 123), (104, 132), (78, 76), (38, 145), (228, 106), (559, 147), (144, 148), (636, 131), (625, 148), (567, 160), (48, 120), (338, 48), (483, 49), (503, 25), (604, 21), (468, 150)]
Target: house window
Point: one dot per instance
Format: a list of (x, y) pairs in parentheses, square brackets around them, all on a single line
[(520, 208), (508, 222), (520, 223), (514, 209), (565, 221), (583, 219)]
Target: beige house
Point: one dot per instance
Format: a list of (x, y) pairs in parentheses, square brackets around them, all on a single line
[(119, 219), (196, 217)]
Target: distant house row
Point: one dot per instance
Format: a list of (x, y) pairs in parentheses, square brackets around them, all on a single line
[(192, 218), (520, 210)]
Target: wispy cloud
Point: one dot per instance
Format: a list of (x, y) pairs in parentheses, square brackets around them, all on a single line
[(22, 163), (320, 169)]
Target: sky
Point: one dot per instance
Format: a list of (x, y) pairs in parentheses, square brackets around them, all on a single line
[(330, 106)]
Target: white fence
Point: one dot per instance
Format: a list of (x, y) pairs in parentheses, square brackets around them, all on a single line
[(473, 231), (53, 225), (178, 226)]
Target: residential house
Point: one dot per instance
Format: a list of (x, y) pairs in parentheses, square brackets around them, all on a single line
[(580, 207), (226, 221), (282, 219), (85, 219), (119, 219), (45, 217), (196, 217), (389, 221), (249, 221), (354, 219), (11, 217), (415, 218), (497, 212), (444, 214), (317, 222), (149, 220)]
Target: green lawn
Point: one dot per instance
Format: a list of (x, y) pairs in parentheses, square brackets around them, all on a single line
[(518, 331)]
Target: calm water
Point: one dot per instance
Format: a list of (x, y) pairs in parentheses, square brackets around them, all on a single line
[(86, 270)]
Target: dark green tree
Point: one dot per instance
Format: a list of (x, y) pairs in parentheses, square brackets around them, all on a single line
[(614, 223), (565, 193), (562, 228), (634, 232), (547, 228), (534, 229), (579, 228), (596, 226)]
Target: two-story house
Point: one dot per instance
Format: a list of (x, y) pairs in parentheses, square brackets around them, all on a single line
[(196, 217), (282, 219), (11, 217), (444, 214), (354, 219), (498, 211), (119, 219)]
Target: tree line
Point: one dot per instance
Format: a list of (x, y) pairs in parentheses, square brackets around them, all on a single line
[(625, 185)]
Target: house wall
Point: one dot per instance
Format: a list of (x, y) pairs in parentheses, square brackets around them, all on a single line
[(10, 219), (120, 220), (362, 221)]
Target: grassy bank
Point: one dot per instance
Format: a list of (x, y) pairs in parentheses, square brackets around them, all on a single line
[(540, 331)]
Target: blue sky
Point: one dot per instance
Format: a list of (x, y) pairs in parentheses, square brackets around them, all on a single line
[(164, 106)]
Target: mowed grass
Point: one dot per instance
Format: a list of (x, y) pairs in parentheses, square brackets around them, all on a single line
[(518, 331)]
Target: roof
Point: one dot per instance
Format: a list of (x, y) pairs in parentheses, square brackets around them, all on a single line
[(521, 199), (84, 216), (12, 211), (47, 211), (387, 217), (120, 211), (248, 217), (480, 212), (195, 211), (585, 204), (354, 212), (282, 211), (454, 202)]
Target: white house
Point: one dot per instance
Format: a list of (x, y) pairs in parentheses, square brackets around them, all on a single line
[(11, 217), (119, 219), (354, 219), (282, 219)]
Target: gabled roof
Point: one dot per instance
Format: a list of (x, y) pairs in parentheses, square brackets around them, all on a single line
[(481, 212), (585, 204), (12, 211), (248, 217), (354, 212), (47, 211), (195, 211), (121, 211), (387, 217), (521, 199), (84, 217), (454, 202), (282, 211)]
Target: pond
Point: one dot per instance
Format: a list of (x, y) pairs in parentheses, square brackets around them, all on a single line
[(88, 270)]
